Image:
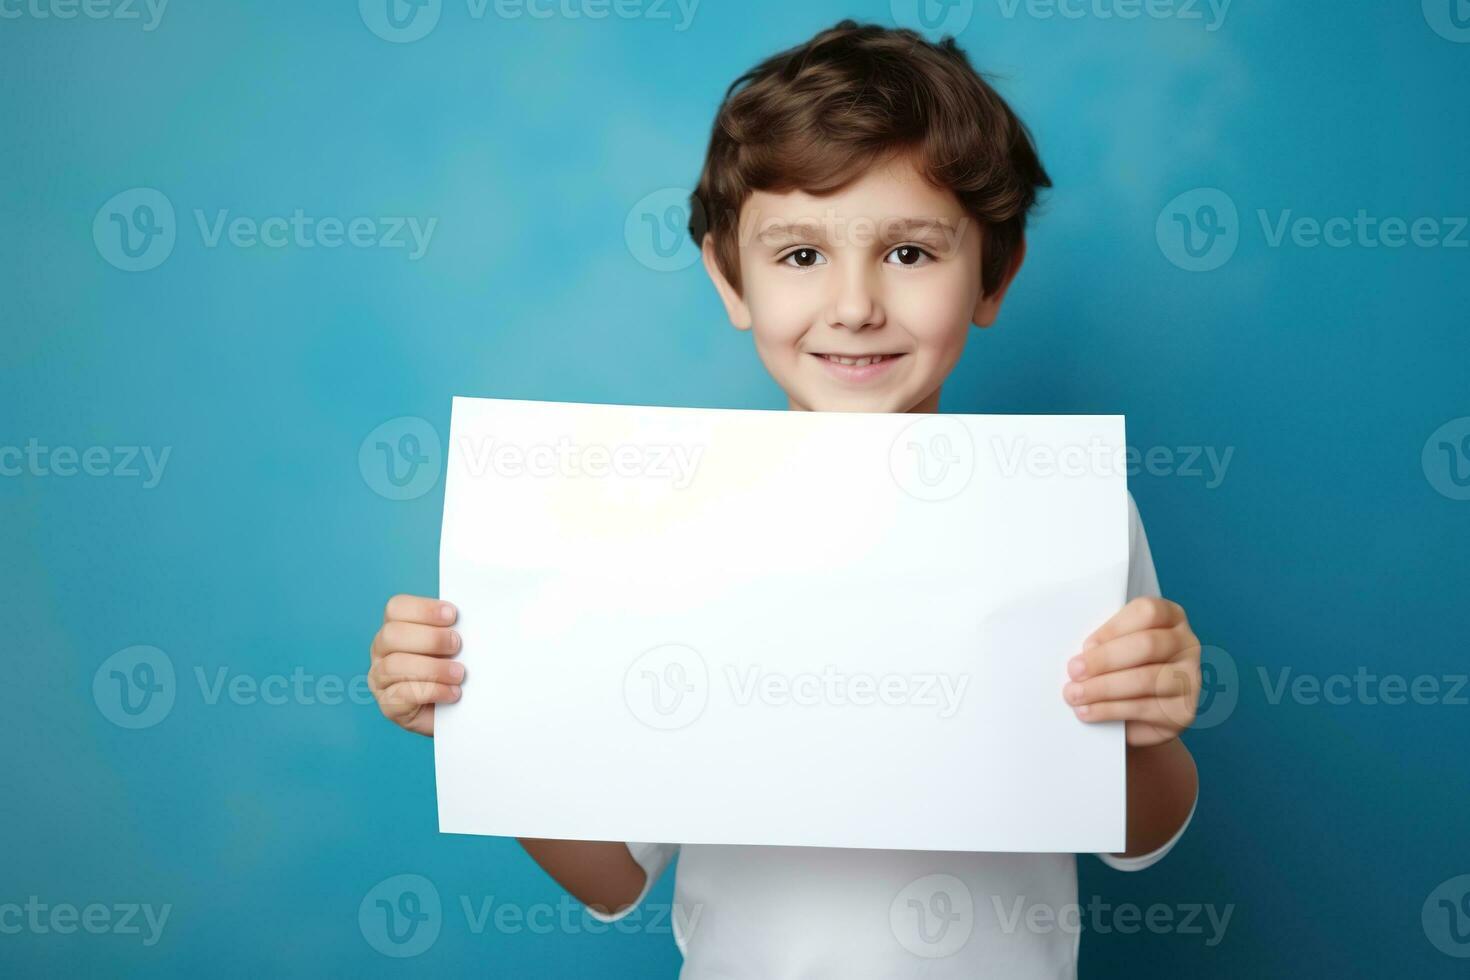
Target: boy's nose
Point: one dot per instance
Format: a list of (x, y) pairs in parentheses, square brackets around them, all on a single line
[(854, 304)]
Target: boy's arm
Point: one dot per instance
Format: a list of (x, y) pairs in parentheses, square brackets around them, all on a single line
[(1162, 786), (600, 874), (1142, 667)]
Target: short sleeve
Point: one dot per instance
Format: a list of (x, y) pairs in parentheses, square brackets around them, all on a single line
[(1143, 580), (653, 859)]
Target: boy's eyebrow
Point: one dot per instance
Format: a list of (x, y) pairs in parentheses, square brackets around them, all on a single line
[(776, 230), (857, 231), (914, 227)]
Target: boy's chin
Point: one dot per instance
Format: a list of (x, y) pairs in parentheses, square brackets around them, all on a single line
[(849, 401), (900, 389)]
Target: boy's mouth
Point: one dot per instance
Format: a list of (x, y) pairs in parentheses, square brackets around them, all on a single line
[(855, 361), (857, 368)]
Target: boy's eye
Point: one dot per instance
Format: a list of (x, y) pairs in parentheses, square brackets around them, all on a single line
[(805, 258), (910, 254)]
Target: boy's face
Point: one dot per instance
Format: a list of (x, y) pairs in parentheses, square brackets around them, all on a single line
[(886, 268)]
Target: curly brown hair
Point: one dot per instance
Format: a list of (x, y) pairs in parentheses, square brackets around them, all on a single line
[(817, 116)]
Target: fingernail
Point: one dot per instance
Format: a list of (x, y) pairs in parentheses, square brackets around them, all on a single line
[(1089, 643), (446, 612), (1081, 710), (1073, 692), (457, 672), (458, 642), (455, 691), (1076, 667)]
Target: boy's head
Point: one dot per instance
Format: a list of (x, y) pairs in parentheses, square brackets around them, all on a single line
[(864, 193)]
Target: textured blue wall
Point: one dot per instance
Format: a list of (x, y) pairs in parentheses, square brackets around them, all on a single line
[(1170, 278)]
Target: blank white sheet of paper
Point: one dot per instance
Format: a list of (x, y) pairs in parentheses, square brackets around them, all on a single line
[(780, 628)]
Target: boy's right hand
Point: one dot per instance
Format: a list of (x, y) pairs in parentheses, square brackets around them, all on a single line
[(412, 670)]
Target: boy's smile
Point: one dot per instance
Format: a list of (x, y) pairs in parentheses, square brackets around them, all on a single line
[(860, 300), (856, 368)]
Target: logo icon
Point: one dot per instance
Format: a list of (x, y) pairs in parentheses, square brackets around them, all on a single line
[(657, 230), (1446, 917), (134, 688), (400, 21), (400, 459), (1446, 459), (1450, 19), (933, 916), (135, 230), (933, 17), (933, 458), (1219, 689), (401, 916), (667, 687), (1199, 230)]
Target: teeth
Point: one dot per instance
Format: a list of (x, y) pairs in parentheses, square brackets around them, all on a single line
[(854, 361)]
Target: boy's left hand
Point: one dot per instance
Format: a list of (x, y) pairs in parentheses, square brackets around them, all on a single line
[(1142, 667)]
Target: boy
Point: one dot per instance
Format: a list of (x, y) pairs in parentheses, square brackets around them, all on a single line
[(863, 201)]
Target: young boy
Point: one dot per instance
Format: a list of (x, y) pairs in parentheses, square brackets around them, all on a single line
[(862, 203)]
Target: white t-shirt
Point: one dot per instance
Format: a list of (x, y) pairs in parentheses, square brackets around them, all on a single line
[(781, 913)]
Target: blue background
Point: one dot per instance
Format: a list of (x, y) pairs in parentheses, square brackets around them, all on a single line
[(264, 549)]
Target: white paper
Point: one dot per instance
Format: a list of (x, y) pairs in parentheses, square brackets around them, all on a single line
[(782, 628)]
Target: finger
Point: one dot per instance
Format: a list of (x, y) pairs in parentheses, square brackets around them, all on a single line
[(1179, 679), (401, 637), (419, 609), (1130, 650), (1136, 682), (1143, 613), (405, 698), (1154, 711), (397, 667)]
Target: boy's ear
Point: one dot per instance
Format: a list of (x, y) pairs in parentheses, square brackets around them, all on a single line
[(988, 306), (735, 307)]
